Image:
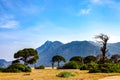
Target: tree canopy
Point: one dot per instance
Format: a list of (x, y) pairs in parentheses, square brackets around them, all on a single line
[(58, 59), (78, 59), (27, 55), (89, 59)]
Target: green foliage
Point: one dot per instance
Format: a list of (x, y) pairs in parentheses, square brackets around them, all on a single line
[(15, 61), (88, 66), (27, 55), (89, 59), (1, 69), (84, 67), (40, 67), (17, 67), (65, 74), (106, 68), (58, 59), (106, 60), (71, 65), (78, 59)]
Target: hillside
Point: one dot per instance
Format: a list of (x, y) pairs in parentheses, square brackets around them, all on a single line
[(4, 63), (75, 48)]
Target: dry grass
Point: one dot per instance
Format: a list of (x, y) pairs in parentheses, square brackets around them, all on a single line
[(50, 74)]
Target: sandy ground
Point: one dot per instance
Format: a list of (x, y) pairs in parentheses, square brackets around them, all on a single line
[(50, 74), (111, 78)]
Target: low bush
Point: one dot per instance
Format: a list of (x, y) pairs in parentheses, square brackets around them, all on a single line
[(71, 65), (65, 74), (84, 67), (88, 66), (40, 67), (106, 68), (1, 69), (17, 67)]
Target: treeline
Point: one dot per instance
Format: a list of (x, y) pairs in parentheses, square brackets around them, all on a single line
[(100, 63), (91, 63)]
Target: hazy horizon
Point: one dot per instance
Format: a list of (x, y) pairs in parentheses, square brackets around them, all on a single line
[(28, 24)]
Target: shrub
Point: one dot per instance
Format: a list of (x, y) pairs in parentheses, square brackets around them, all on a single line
[(17, 67), (40, 67), (65, 74), (106, 68), (89, 59), (71, 65), (27, 69), (1, 69), (84, 67), (88, 66)]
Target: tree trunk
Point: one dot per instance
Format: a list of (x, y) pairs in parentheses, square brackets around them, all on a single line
[(34, 66), (104, 51), (25, 61), (58, 64), (52, 65)]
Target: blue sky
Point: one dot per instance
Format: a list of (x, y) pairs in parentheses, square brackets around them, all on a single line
[(29, 23)]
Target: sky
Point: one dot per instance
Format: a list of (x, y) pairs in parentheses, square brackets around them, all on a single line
[(30, 23)]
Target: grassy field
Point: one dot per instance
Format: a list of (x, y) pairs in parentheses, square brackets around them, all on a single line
[(50, 74)]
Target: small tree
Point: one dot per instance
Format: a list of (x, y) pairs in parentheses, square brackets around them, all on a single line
[(27, 55), (89, 59), (15, 61), (58, 59), (104, 39), (78, 59)]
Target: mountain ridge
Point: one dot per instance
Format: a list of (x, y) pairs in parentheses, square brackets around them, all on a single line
[(4, 63), (74, 48), (68, 50)]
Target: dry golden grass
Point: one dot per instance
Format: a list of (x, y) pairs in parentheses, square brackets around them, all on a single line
[(50, 74)]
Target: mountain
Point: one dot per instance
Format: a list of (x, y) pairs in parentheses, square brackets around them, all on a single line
[(114, 48), (4, 63), (74, 48), (46, 51), (68, 50)]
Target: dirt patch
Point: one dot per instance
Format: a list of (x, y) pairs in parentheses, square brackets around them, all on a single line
[(111, 78)]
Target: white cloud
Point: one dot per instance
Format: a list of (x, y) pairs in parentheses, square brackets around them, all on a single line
[(93, 3), (84, 11), (8, 22)]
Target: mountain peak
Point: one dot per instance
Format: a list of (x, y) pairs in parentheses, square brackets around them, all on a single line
[(57, 42), (48, 42), (74, 48), (3, 60)]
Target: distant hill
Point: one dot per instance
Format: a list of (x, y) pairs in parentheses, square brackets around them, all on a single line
[(4, 63), (74, 48), (114, 48)]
